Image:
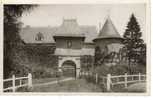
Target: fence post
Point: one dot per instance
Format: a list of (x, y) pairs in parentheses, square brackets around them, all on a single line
[(96, 78), (30, 80), (108, 82), (139, 77), (125, 79), (13, 83)]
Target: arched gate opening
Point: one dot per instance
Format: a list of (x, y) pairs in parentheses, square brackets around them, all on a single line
[(69, 68)]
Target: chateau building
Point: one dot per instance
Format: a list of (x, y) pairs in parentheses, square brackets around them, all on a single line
[(72, 41)]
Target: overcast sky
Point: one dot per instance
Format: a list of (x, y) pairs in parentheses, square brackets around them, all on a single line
[(52, 15)]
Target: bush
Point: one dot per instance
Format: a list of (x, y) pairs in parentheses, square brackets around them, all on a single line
[(26, 59), (87, 62), (120, 69), (16, 63), (23, 89), (102, 70), (139, 68), (90, 79), (43, 72)]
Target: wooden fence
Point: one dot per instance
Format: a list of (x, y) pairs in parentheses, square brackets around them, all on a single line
[(109, 80), (23, 82)]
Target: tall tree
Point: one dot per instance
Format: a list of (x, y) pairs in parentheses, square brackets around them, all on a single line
[(132, 39), (97, 55), (12, 39)]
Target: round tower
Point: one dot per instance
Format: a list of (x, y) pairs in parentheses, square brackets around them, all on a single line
[(108, 37), (110, 43)]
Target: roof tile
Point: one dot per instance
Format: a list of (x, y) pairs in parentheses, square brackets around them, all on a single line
[(109, 30)]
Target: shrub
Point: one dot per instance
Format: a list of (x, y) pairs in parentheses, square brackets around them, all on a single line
[(37, 59), (90, 79), (17, 63), (23, 89), (43, 72), (87, 62), (120, 69), (102, 70)]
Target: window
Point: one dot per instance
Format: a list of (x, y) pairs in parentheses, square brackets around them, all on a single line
[(69, 44), (39, 37)]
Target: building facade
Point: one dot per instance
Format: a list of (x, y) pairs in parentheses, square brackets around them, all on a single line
[(73, 41)]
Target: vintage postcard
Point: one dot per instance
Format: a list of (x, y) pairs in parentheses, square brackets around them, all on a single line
[(76, 48)]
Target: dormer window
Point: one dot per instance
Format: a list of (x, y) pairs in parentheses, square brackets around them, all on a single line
[(69, 44), (39, 37)]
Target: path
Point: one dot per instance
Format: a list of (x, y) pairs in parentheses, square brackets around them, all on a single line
[(68, 85), (53, 82)]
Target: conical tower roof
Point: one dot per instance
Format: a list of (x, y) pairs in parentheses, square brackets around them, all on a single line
[(108, 30)]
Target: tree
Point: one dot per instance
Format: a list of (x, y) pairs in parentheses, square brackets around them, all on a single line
[(142, 58), (12, 40), (132, 39), (97, 55), (87, 62), (100, 55)]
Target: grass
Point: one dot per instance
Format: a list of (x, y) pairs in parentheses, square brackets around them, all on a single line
[(137, 87), (132, 88), (79, 85)]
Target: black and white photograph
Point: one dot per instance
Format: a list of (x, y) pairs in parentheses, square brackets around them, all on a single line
[(75, 48)]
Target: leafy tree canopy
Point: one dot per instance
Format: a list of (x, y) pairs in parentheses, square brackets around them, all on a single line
[(11, 23), (12, 39)]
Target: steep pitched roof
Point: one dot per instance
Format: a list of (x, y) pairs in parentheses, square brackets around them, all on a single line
[(69, 27), (28, 34), (108, 30)]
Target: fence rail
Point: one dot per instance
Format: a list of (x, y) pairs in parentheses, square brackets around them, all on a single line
[(128, 79), (109, 80), (21, 84)]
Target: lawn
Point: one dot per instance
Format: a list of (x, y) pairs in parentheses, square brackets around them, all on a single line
[(137, 87), (79, 85), (132, 88)]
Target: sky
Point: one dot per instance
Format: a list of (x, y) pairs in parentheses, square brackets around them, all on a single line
[(87, 14)]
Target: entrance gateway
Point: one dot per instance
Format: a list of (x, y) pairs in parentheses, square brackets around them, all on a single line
[(70, 46), (69, 69), (70, 66)]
